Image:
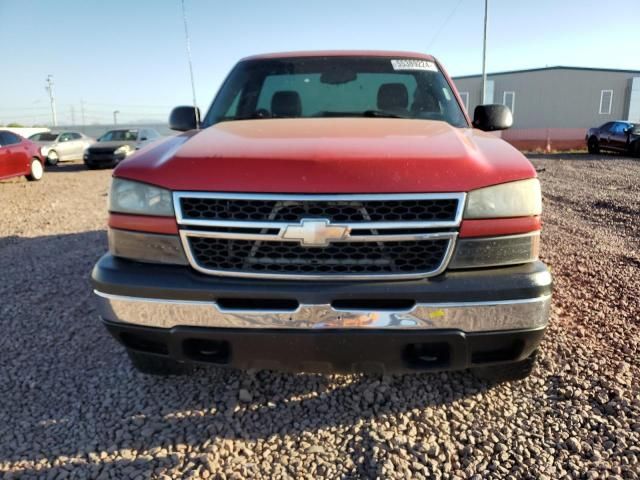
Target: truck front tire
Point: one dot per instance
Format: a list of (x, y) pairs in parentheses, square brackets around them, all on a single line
[(155, 365)]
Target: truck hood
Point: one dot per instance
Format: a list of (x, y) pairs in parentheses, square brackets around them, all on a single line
[(336, 155)]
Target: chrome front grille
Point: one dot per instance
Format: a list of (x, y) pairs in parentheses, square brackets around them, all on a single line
[(320, 237), (410, 210)]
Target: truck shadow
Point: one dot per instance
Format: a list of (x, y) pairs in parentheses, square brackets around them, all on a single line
[(579, 156), (70, 393), (66, 167)]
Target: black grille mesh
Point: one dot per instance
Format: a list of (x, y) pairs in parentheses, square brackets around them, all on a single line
[(349, 258), (332, 210), (102, 150)]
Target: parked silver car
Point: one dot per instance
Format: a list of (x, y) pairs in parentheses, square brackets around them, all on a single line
[(61, 146)]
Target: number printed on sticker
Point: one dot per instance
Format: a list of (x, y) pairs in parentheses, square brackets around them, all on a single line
[(413, 64)]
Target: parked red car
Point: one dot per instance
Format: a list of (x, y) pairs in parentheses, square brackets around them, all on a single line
[(19, 156)]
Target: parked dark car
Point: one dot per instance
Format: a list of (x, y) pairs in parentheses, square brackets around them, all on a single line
[(19, 156), (116, 145), (618, 136)]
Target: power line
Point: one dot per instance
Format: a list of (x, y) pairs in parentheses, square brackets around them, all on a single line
[(108, 107), (127, 111), (444, 24), (26, 117), (86, 115), (127, 105), (21, 109)]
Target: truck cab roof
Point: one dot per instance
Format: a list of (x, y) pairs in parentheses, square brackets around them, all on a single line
[(340, 53)]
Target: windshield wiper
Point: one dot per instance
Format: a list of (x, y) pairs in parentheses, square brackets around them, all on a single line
[(251, 116), (366, 113), (382, 114)]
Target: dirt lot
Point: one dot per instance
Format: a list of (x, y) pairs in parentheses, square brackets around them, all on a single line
[(72, 407)]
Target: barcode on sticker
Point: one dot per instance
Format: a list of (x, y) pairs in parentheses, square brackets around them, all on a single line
[(413, 64)]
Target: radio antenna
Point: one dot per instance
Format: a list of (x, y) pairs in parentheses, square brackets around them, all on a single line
[(193, 83)]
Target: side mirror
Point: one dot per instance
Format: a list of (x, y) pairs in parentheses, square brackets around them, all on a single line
[(184, 118), (492, 117)]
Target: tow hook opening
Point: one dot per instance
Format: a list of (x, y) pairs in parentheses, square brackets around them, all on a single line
[(427, 355), (211, 351)]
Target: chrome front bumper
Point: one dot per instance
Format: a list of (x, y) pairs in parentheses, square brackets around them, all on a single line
[(465, 316)]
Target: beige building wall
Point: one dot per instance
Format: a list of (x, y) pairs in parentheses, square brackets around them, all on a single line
[(558, 97)]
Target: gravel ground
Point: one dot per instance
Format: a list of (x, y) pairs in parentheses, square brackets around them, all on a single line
[(72, 407)]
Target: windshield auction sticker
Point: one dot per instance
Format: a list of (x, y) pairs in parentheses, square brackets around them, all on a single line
[(414, 64)]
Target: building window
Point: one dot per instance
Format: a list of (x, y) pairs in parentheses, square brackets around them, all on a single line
[(509, 100), (489, 90), (465, 100), (606, 100), (634, 101)]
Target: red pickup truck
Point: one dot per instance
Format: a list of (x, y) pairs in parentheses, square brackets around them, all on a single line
[(332, 211)]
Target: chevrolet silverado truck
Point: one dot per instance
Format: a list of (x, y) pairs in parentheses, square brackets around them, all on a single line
[(331, 212)]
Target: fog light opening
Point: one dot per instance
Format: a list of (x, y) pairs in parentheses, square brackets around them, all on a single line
[(141, 344), (508, 353)]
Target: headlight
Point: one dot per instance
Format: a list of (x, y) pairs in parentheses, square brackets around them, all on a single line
[(513, 199), (127, 196), (124, 149)]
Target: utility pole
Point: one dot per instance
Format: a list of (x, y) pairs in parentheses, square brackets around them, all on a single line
[(193, 84), (52, 99), (115, 116), (82, 114), (484, 54)]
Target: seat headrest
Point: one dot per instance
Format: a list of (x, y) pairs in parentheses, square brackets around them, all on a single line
[(286, 103), (393, 96), (425, 102)]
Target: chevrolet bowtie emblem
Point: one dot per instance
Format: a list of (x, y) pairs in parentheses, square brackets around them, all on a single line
[(315, 232)]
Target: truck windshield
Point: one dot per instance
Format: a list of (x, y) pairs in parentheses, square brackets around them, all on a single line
[(336, 87)]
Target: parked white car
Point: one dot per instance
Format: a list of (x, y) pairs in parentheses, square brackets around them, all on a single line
[(61, 146)]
